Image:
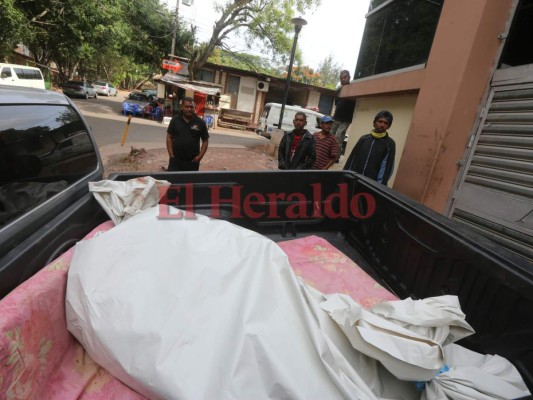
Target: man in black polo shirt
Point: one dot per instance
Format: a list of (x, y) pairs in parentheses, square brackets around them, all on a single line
[(184, 133)]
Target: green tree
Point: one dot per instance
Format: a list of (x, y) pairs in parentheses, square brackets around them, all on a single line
[(11, 28), (149, 31), (247, 62), (329, 72), (95, 38), (70, 32), (260, 23)]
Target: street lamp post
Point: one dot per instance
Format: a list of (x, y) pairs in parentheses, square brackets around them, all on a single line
[(298, 23)]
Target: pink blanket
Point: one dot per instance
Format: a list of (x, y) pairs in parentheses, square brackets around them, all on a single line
[(40, 359)]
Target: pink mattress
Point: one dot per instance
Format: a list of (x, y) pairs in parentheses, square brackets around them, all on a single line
[(328, 270), (39, 358)]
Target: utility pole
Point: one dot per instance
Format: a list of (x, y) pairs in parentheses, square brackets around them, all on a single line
[(174, 29), (298, 23)]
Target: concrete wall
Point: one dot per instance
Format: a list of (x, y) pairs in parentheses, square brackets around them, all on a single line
[(452, 89), (457, 75), (247, 91), (223, 80), (401, 106), (259, 105)]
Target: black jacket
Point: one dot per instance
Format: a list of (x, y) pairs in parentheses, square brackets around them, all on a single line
[(373, 158), (344, 108), (304, 156)]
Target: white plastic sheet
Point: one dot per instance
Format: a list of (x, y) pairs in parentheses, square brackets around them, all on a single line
[(203, 309), (412, 339), (122, 200), (406, 336), (437, 318), (473, 376), (407, 355)]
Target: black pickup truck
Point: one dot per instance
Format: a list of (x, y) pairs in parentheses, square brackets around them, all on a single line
[(47, 157)]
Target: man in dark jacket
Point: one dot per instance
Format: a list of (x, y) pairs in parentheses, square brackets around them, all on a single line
[(344, 109), (297, 147), (373, 154)]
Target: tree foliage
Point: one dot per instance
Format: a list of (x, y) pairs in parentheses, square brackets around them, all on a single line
[(96, 39), (124, 40), (247, 62), (305, 74), (260, 23), (329, 72), (243, 61), (68, 32), (11, 27)]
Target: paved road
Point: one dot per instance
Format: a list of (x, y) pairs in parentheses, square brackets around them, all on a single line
[(108, 124)]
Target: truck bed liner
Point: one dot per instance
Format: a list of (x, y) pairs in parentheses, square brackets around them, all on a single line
[(408, 248)]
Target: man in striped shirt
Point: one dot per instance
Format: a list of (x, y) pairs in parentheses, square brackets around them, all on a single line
[(327, 147)]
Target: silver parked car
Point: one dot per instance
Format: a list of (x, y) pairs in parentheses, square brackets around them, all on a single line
[(105, 88), (79, 89)]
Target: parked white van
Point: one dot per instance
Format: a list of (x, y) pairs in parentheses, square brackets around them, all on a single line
[(21, 75), (270, 119)]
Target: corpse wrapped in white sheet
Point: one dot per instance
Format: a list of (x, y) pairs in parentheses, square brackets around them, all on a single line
[(196, 308), (204, 309)]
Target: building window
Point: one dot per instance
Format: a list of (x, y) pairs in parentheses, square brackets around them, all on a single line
[(233, 85), (206, 75), (517, 50), (398, 34)]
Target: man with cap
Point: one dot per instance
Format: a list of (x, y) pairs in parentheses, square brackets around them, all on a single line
[(373, 154), (326, 147)]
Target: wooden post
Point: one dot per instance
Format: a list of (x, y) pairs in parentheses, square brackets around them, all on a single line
[(125, 134)]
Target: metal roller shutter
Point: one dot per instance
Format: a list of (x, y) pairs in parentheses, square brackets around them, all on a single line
[(496, 194)]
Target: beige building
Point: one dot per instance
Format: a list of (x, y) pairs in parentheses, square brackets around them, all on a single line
[(458, 77), (245, 93)]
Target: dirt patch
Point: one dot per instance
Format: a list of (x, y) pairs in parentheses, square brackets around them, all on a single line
[(216, 159)]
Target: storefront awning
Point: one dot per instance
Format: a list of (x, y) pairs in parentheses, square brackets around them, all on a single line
[(197, 88)]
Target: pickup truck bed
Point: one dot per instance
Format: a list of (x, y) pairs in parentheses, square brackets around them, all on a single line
[(409, 249), (405, 246)]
